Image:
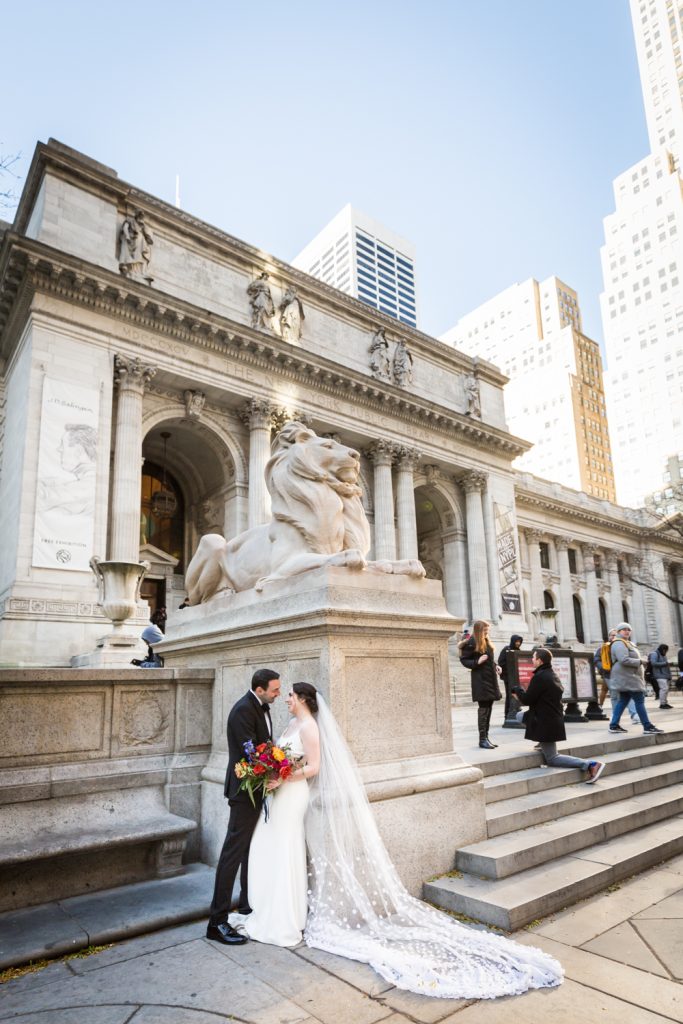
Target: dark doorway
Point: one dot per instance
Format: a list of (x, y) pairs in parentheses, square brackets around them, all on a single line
[(578, 618)]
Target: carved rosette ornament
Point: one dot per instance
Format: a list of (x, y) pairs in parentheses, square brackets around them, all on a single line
[(194, 404), (132, 374)]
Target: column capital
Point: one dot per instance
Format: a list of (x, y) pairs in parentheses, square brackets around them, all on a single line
[(258, 413), (562, 542), (533, 535), (381, 452), (132, 374), (472, 480), (589, 551), (406, 457), (611, 558)]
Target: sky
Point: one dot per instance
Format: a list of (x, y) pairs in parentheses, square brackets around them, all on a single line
[(488, 132)]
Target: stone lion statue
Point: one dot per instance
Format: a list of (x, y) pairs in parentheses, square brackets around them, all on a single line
[(317, 519)]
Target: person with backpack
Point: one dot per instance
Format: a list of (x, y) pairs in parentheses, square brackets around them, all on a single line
[(602, 663), (626, 677), (658, 673)]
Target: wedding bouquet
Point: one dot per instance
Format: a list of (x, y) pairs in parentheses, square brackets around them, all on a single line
[(263, 764)]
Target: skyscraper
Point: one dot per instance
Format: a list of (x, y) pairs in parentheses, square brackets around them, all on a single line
[(555, 396), (642, 259), (366, 260)]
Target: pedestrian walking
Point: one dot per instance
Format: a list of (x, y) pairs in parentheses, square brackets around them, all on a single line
[(514, 645), (626, 677), (545, 718), (602, 662), (478, 655), (661, 675)]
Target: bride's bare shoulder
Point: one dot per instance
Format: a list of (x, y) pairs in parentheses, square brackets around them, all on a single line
[(309, 726)]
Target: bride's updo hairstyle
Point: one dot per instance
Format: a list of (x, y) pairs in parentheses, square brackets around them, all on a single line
[(308, 694)]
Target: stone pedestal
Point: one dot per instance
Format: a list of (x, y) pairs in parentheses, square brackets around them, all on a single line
[(377, 648)]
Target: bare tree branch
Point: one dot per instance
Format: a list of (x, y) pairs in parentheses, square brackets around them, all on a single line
[(8, 197), (650, 586)]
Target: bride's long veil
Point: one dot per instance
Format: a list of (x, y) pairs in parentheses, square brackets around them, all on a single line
[(358, 907)]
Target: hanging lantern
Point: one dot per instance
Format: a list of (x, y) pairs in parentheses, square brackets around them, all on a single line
[(164, 502)]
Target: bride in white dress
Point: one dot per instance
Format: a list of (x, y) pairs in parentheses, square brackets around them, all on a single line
[(352, 902)]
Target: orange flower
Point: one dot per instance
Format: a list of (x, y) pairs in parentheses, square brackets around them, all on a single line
[(278, 755), (285, 771), (259, 769), (261, 747), (239, 770)]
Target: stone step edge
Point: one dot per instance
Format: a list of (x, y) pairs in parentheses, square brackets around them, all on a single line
[(481, 906), (26, 936), (557, 778), (502, 762), (511, 818), (538, 837)]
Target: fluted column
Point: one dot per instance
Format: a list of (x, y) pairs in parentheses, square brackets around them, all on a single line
[(616, 612), (640, 630), (455, 573), (406, 462), (382, 455), (533, 539), (258, 414), (491, 554), (568, 635), (473, 484), (593, 625), (131, 376)]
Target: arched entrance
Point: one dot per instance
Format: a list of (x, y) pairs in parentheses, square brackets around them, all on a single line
[(189, 488)]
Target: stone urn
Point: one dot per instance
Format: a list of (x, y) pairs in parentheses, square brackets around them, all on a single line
[(545, 617), (119, 589)]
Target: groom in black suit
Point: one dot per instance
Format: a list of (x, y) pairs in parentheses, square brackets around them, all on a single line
[(249, 719)]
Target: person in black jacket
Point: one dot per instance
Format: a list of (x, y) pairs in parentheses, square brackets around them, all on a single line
[(545, 718), (514, 645), (477, 654), (249, 719)]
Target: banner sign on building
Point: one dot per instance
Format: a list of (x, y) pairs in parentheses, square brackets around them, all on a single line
[(507, 560), (67, 470)]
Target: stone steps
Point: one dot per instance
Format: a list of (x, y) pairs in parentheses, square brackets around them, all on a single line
[(553, 840)]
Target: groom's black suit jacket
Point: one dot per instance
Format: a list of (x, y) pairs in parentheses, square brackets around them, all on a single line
[(247, 721)]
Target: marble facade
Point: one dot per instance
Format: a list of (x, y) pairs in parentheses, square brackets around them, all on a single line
[(180, 340)]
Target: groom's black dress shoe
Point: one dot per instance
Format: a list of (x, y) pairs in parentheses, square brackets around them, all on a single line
[(226, 934)]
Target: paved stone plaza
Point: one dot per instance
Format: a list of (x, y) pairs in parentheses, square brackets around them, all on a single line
[(622, 952)]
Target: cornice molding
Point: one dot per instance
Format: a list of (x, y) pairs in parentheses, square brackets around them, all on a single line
[(82, 171), (26, 265)]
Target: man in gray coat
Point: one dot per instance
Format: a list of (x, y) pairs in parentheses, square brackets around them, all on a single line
[(626, 677)]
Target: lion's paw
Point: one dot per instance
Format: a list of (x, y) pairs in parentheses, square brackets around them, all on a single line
[(353, 559)]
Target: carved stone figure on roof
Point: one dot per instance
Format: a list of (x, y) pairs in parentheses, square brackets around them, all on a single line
[(291, 316), (135, 248), (473, 397), (403, 365), (380, 366), (261, 302)]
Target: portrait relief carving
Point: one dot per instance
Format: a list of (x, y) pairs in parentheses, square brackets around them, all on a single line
[(291, 316)]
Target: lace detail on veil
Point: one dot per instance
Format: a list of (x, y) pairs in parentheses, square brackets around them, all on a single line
[(359, 909)]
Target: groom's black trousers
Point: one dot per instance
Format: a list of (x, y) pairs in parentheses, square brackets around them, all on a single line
[(235, 852)]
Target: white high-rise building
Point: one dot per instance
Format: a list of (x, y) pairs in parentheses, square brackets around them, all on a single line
[(555, 396), (366, 260), (642, 260)]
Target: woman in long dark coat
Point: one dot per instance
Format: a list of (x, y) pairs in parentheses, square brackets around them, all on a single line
[(545, 719), (477, 655)]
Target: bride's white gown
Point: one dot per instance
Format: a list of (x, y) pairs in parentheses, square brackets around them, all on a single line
[(357, 906), (277, 862)]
